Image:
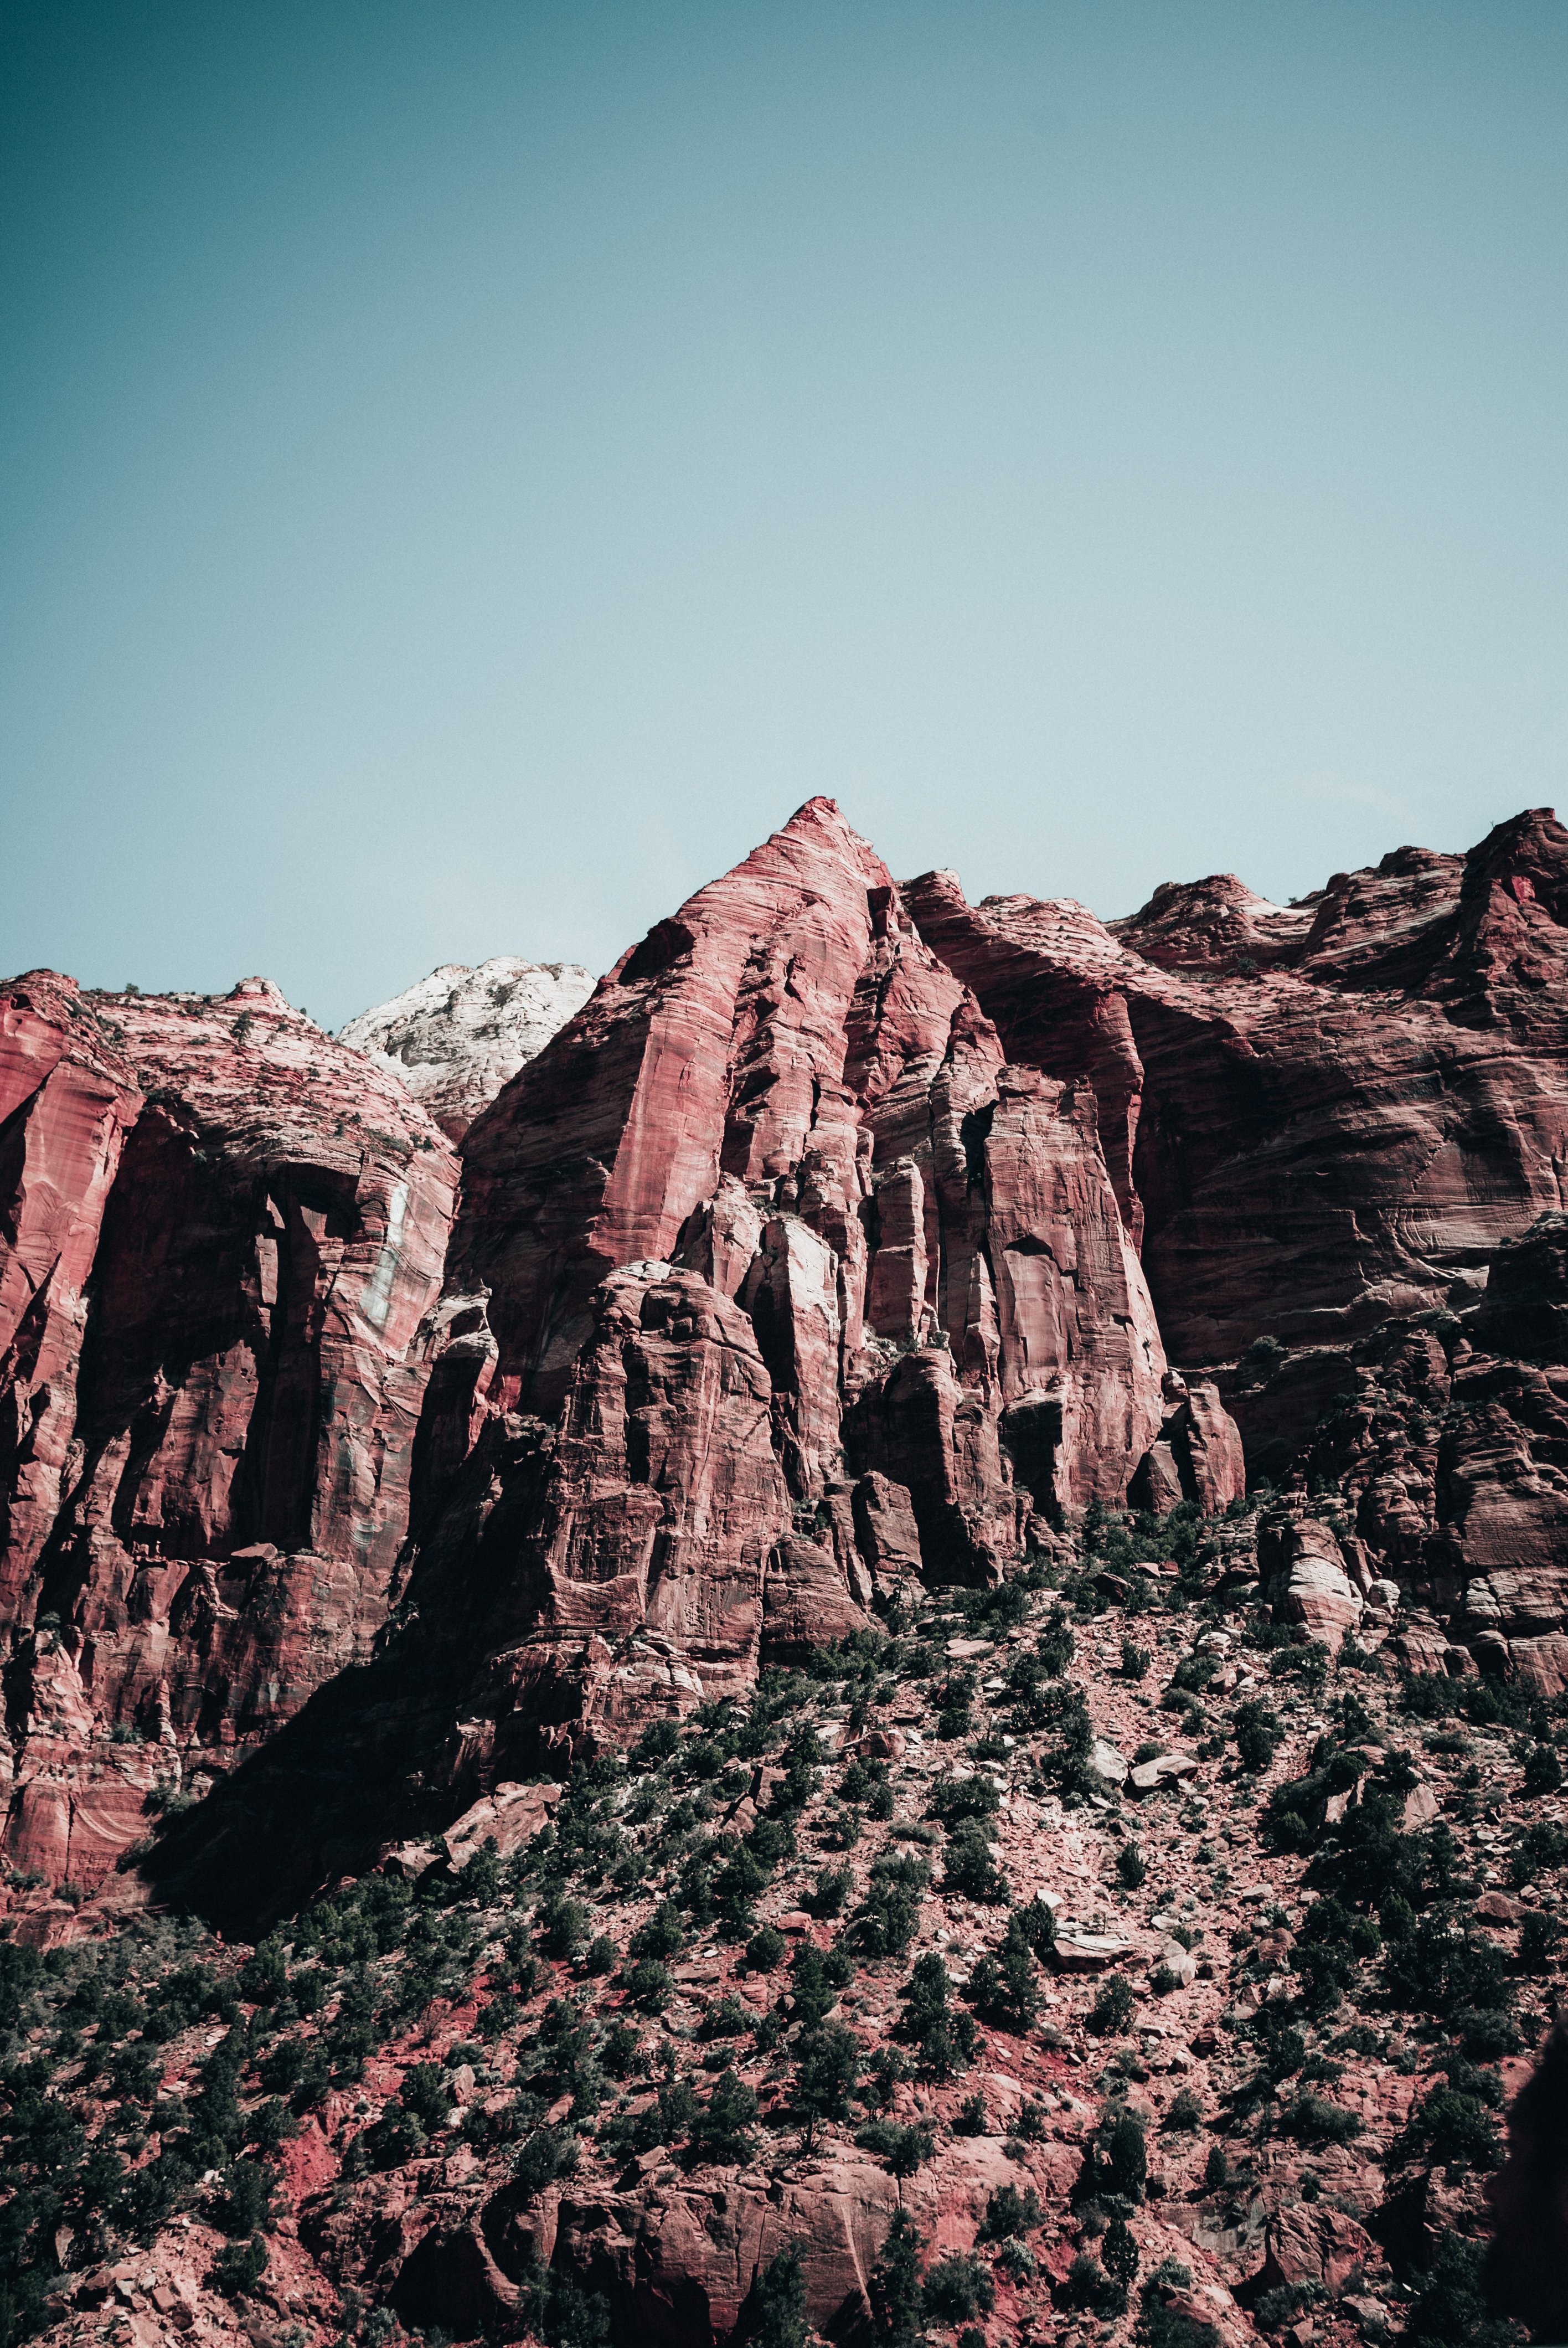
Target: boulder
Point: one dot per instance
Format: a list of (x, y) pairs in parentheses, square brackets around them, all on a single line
[(1077, 1951), (1306, 1578), (1164, 1769)]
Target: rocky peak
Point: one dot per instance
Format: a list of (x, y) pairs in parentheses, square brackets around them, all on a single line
[(1012, 1465), (1214, 924), (456, 1037)]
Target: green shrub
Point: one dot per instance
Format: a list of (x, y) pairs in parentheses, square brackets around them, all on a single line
[(1259, 1733), (776, 2314), (944, 2037), (247, 2204), (542, 2156), (1451, 2311), (650, 1984), (959, 2287), (832, 1888), (662, 1935), (1005, 1988), (1537, 1938), (1119, 2254), (1112, 2008), (1455, 2131), (828, 2066), (721, 2129), (971, 1871), (658, 1741), (1037, 1923), (562, 1925), (884, 1923), (237, 2270), (1317, 2121), (1007, 2212), (894, 2285), (904, 2149), (817, 1977), (427, 2095), (955, 1799)]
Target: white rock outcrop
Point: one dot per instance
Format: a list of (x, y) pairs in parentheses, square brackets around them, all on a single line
[(460, 1035)]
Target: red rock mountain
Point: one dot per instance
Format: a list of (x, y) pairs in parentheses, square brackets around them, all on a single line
[(846, 1234)]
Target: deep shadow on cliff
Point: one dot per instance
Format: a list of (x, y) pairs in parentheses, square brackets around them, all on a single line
[(848, 1241)]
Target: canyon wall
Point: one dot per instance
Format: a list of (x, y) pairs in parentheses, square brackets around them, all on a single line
[(846, 1236), (222, 1233)]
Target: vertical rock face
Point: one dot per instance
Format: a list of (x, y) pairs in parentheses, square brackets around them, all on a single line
[(1347, 1105), (67, 1099), (460, 1035), (642, 1530), (716, 1047), (783, 1090), (845, 1234), (777, 1180), (220, 1236)]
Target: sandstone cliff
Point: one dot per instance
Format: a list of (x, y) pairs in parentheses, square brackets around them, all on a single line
[(846, 1238), (901, 1424), (222, 1234)]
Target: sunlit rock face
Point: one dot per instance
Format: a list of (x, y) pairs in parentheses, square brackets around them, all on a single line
[(844, 1238), (459, 1035)]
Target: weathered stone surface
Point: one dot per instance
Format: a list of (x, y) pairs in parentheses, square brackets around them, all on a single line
[(457, 1036), (1315, 2243), (1199, 1455), (221, 1235), (509, 1817), (816, 1254), (1345, 1129), (1305, 1576), (806, 1603), (778, 1090), (1091, 1953), (1164, 1769)]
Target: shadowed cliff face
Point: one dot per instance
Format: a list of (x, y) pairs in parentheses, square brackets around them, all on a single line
[(224, 1233), (844, 1241), (1326, 1114)]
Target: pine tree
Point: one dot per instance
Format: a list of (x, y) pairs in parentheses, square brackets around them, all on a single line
[(894, 2285), (779, 2303)]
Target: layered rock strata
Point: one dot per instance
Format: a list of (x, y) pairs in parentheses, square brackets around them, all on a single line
[(784, 1135), (222, 1233), (1318, 1114), (843, 1240)]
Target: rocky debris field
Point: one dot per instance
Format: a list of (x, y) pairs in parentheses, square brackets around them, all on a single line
[(1091, 1958)]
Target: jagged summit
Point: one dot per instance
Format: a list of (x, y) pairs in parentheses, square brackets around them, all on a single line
[(847, 1255)]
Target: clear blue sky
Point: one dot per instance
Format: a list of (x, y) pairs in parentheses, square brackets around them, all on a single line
[(469, 471)]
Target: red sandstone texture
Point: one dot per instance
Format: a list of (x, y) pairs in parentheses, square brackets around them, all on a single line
[(847, 1237), (851, 1252), (222, 1236)]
